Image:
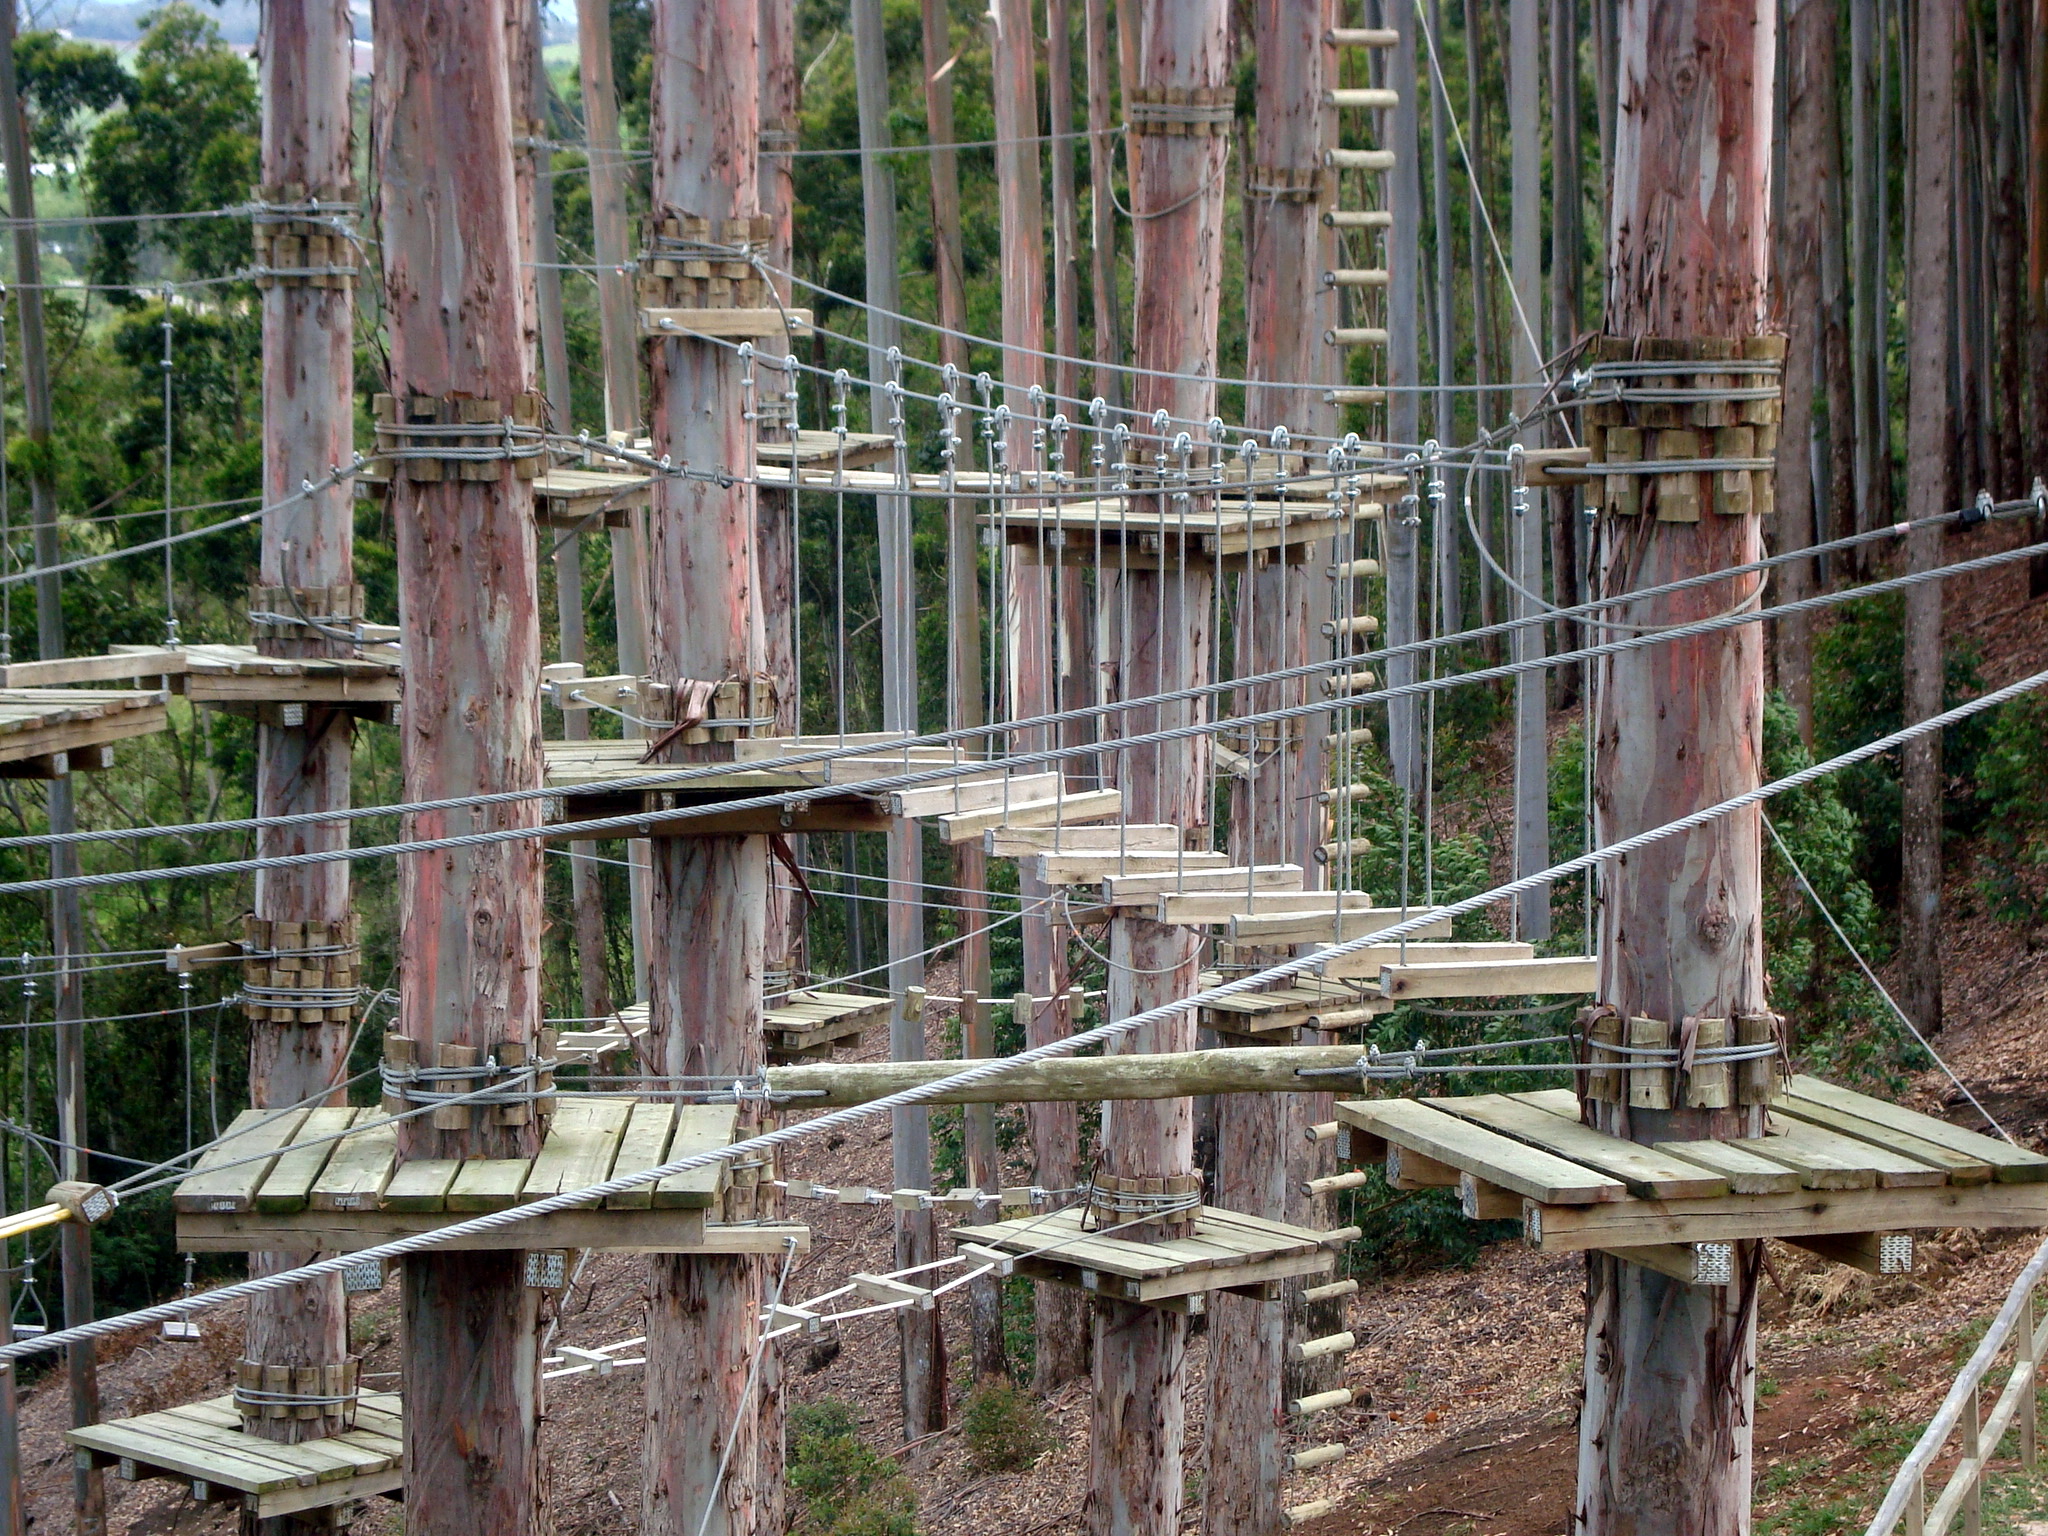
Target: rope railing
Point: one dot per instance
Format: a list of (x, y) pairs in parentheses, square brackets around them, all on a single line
[(1905, 1507)]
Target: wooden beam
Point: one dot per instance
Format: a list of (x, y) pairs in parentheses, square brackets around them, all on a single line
[(1633, 1223), (1077, 1080)]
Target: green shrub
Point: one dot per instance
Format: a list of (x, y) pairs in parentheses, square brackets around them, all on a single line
[(840, 1485), (2010, 776), (1004, 1428)]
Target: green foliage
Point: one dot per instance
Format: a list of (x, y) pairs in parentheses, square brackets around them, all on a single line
[(1410, 1229), (1004, 1427), (1448, 868), (2010, 779), (64, 83), (185, 139), (838, 1484)]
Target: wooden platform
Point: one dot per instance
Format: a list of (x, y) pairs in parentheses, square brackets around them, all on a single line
[(239, 680), (805, 1026), (820, 450), (1227, 1251), (48, 732), (305, 1193), (573, 496), (203, 1446), (1834, 1161)]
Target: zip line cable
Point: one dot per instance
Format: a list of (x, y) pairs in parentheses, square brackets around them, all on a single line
[(940, 773), (925, 1093)]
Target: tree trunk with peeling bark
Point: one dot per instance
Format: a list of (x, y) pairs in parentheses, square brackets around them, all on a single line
[(1930, 450), (1664, 1436), (469, 919), (1177, 197), (708, 895)]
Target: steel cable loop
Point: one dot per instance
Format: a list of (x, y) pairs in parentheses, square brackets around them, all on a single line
[(940, 773), (925, 1093)]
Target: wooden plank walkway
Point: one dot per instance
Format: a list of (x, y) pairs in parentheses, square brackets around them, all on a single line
[(47, 732), (1832, 1161)]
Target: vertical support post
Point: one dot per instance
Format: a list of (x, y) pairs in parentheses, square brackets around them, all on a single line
[(1181, 53), (67, 921), (1930, 447), (470, 919), (1867, 269), (924, 1389), (709, 897), (1525, 524), (13, 1506), (1444, 533), (2027, 1357), (1275, 814), (984, 1174), (1664, 1437), (1404, 403), (305, 59), (1973, 1453), (1563, 330), (1109, 345), (618, 327), (586, 896)]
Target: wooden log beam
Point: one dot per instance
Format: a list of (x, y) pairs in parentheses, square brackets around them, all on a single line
[(470, 919), (1074, 1079), (308, 425)]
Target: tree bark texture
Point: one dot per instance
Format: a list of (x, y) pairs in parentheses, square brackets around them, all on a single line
[(708, 896), (1664, 1438), (1526, 532), (1109, 349), (1275, 815), (469, 919), (1402, 531), (1162, 645), (1930, 450), (308, 427)]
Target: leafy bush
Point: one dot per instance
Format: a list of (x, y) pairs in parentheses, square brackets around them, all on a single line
[(1004, 1428), (840, 1485), (2010, 776)]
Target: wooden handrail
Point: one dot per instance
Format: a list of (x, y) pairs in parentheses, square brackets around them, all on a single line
[(1905, 1502)]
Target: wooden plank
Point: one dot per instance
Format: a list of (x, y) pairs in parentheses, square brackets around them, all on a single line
[(291, 1501), (644, 1144), (699, 1128), (487, 1184), (1053, 810), (420, 1185), (1959, 1167), (1633, 1223), (143, 662), (1747, 1172), (1007, 842), (357, 1172), (1086, 866), (971, 794), (290, 1182), (2011, 1164), (1122, 890), (582, 1140), (214, 1186), (97, 729), (1650, 1174), (655, 1231), (1282, 928), (1060, 1234), (1368, 962), (324, 1459), (1491, 978), (1221, 906), (1790, 1141), (1528, 1171), (192, 1450), (1281, 1267)]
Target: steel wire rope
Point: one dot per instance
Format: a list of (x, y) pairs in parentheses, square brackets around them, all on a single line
[(925, 1093), (939, 773)]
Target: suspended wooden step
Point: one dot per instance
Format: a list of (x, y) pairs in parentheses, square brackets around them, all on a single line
[(204, 1446), (1326, 927), (809, 1026), (1085, 866), (1359, 159), (1225, 1251), (1007, 842), (304, 1192), (1356, 336), (46, 733), (1834, 1164), (1280, 1014), (725, 324), (574, 496), (822, 449), (1355, 277), (1366, 98), (1367, 963), (1547, 977), (1362, 396), (1219, 908), (1151, 532), (1052, 810), (1123, 890), (1358, 218), (279, 690), (1362, 37)]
